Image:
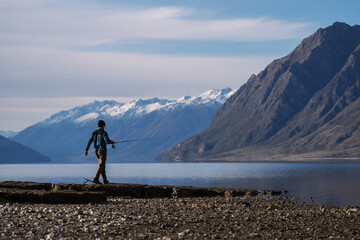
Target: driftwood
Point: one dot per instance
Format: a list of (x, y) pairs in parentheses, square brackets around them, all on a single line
[(96, 193)]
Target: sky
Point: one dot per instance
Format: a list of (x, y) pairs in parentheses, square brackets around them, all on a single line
[(58, 54)]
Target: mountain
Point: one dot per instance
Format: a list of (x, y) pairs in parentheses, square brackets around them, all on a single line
[(13, 152), (305, 104), (8, 134), (64, 135)]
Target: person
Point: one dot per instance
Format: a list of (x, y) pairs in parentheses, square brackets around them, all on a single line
[(100, 138)]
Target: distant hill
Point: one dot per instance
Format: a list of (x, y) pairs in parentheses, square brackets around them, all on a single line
[(303, 105), (64, 135), (8, 134), (13, 152)]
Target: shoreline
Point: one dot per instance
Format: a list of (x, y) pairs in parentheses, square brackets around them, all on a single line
[(63, 193), (260, 160), (165, 212)]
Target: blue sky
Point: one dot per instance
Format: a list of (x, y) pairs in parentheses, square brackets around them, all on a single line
[(57, 54)]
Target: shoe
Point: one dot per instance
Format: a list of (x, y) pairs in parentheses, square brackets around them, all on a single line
[(106, 182), (96, 181)]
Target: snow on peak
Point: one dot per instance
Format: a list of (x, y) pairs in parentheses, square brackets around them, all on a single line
[(106, 109), (138, 106), (220, 95), (81, 113), (211, 96), (87, 117)]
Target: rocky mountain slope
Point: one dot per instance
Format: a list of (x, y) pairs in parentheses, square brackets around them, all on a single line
[(64, 135), (13, 152), (304, 104)]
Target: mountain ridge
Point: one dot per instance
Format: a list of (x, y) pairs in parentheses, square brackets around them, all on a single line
[(8, 134), (265, 105), (111, 108), (64, 135)]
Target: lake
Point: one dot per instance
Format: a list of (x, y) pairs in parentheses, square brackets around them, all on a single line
[(325, 183)]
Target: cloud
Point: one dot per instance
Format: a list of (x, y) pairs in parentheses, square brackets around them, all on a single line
[(40, 56), (23, 112), (73, 23), (35, 71)]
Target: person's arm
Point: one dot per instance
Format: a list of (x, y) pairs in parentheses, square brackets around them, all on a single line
[(107, 139), (88, 146)]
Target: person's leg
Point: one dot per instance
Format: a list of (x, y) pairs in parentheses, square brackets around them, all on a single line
[(103, 156), (100, 167)]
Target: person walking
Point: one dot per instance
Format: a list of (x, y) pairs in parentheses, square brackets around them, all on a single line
[(100, 138)]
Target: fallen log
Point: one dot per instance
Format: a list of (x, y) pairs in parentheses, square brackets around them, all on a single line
[(95, 193)]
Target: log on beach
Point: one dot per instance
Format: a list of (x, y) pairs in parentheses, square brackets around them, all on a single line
[(51, 197), (94, 193)]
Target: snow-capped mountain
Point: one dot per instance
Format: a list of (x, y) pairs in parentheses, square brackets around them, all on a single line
[(64, 135), (137, 108)]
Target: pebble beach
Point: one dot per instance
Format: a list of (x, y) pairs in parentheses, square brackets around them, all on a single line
[(184, 218)]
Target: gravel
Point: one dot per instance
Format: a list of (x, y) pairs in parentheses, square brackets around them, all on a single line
[(185, 218)]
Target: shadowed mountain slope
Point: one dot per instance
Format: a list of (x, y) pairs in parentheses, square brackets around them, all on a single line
[(302, 103), (13, 152)]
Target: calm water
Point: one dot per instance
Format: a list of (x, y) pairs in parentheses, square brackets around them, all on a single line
[(326, 183)]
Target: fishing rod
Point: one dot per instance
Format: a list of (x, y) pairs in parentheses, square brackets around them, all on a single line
[(130, 140)]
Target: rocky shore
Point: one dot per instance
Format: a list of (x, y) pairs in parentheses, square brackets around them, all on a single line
[(217, 217), (184, 218)]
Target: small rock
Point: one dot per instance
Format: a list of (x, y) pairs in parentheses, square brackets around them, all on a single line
[(50, 236)]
